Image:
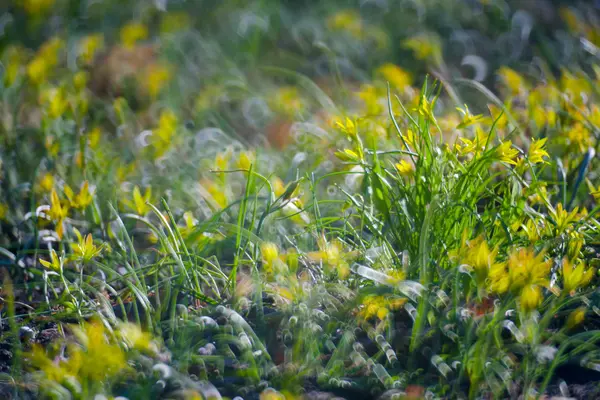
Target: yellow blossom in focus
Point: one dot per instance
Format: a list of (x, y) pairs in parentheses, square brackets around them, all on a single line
[(55, 262), (132, 33), (396, 76), (85, 249), (348, 126), (404, 168), (575, 277), (468, 118), (526, 269), (537, 152), (562, 218), (506, 153)]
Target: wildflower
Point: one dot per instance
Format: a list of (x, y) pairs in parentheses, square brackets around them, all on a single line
[(287, 100), (156, 78), (133, 336), (55, 262), (47, 182), (579, 136), (575, 244), (54, 101), (94, 136), (468, 118), (85, 249), (537, 152), (576, 318), (245, 160), (477, 255), (526, 268), (272, 263), (368, 94), (132, 33), (82, 199), (346, 20), (562, 218), (164, 133), (333, 257), (347, 155), (425, 107), (475, 146), (506, 153), (426, 47), (139, 203), (404, 168), (544, 116), (396, 76), (89, 47), (379, 306), (57, 212), (531, 297), (348, 127), (512, 80), (575, 277), (214, 193), (45, 60)]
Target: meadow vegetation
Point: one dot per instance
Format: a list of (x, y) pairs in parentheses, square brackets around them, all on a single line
[(299, 199)]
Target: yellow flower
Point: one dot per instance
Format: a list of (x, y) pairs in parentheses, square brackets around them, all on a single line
[(468, 118), (83, 198), (47, 182), (245, 160), (579, 136), (54, 101), (85, 249), (132, 33), (94, 137), (512, 80), (269, 251), (164, 133), (89, 47), (57, 212), (425, 46), (404, 168), (575, 277), (475, 146), (576, 317), (396, 76), (333, 256), (287, 100), (346, 20), (55, 262), (562, 218), (506, 153), (348, 127), (537, 152), (531, 297), (156, 78), (45, 60), (477, 255), (368, 94), (139, 202), (135, 338), (425, 107), (528, 269)]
